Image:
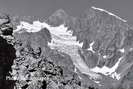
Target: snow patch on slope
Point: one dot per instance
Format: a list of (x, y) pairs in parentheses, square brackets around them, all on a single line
[(108, 71), (91, 48), (60, 32), (35, 27)]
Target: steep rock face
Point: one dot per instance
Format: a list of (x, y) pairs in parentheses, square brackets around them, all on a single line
[(7, 55), (111, 37), (7, 51)]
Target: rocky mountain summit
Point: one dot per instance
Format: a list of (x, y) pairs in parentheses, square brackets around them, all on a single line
[(92, 51)]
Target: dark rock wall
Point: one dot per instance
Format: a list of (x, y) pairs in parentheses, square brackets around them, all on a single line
[(7, 52)]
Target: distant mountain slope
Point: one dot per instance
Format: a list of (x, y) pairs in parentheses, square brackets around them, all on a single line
[(108, 32)]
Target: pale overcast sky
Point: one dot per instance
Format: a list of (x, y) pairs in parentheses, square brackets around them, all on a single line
[(44, 8)]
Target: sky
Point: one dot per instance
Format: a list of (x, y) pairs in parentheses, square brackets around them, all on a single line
[(44, 8)]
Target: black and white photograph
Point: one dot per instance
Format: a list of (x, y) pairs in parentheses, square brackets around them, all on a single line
[(66, 44)]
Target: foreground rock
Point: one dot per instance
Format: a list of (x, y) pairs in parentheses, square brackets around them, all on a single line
[(7, 52)]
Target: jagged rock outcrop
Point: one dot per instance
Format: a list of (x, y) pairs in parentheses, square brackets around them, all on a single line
[(38, 67)]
